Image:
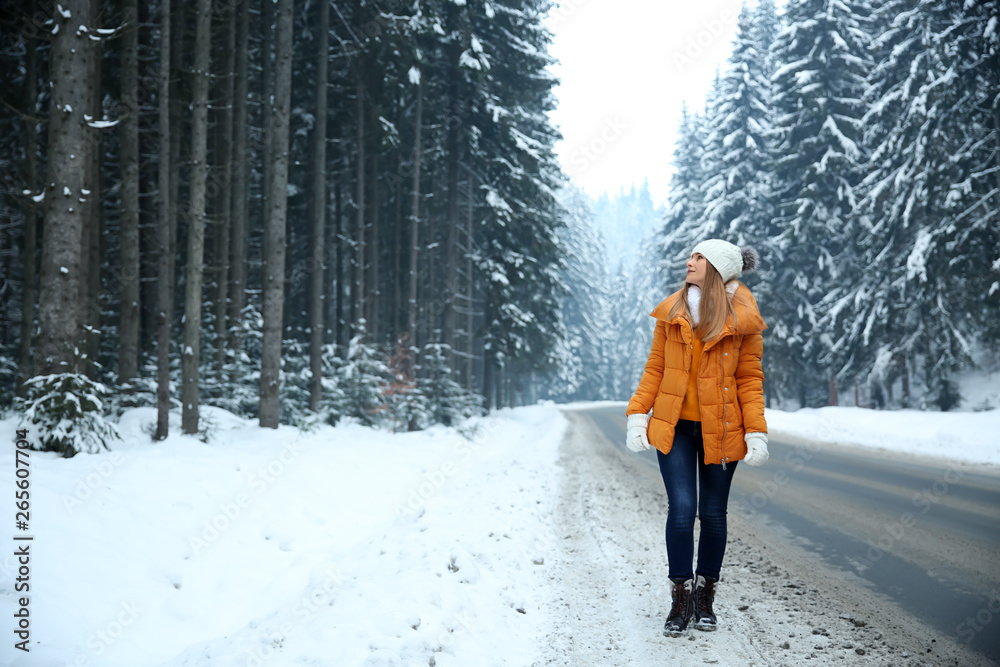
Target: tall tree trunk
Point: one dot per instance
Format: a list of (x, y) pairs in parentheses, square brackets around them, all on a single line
[(30, 211), (148, 22), (267, 85), (905, 377), (241, 187), (165, 262), (317, 281), (178, 22), (398, 239), (833, 387), (428, 328), (226, 200), (359, 269), (374, 327), (6, 257), (489, 379), (433, 293), (411, 305), (340, 326), (62, 272), (93, 252), (468, 289), (274, 269), (996, 134), (128, 351), (93, 221), (191, 354), (450, 286)]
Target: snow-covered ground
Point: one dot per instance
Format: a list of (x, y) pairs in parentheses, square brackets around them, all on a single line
[(970, 437), (340, 546), (344, 546)]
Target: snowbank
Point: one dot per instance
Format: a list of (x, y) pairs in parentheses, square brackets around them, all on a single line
[(972, 437), (344, 546)]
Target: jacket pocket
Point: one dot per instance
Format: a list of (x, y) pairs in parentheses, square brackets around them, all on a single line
[(737, 410)]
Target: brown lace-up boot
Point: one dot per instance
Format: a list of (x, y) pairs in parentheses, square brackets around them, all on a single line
[(703, 618), (680, 613)]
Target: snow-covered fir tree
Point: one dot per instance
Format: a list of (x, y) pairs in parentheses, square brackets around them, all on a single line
[(364, 378), (757, 228), (637, 290), (65, 413), (928, 235), (821, 60), (586, 356), (294, 389), (518, 253), (737, 142), (685, 204), (445, 401)]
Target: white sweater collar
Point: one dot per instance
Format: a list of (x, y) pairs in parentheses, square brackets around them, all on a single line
[(694, 299)]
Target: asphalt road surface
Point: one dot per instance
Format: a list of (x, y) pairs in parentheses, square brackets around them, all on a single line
[(922, 532)]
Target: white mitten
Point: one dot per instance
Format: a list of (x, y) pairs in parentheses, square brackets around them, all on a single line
[(635, 432), (756, 448)]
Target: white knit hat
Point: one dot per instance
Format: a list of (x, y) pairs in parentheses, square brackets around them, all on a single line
[(729, 260)]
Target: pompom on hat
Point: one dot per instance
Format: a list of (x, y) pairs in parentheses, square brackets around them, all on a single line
[(728, 259)]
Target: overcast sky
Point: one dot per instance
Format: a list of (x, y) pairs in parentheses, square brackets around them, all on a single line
[(626, 67)]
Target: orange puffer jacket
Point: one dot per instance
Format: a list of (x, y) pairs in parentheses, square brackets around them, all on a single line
[(730, 379)]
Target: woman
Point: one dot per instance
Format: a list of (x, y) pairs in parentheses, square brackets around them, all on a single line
[(704, 384)]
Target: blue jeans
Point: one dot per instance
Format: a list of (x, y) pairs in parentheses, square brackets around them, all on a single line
[(683, 471)]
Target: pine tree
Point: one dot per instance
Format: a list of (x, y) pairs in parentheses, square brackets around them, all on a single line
[(586, 356), (191, 351), (518, 254), (921, 199), (758, 227), (363, 378), (240, 181), (817, 98), (277, 202), (65, 411), (734, 188), (164, 223), (130, 308), (636, 293), (317, 327), (63, 271), (295, 388), (712, 189), (685, 204), (31, 227), (446, 401)]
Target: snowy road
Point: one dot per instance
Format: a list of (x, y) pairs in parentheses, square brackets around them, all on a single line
[(926, 533), (801, 581)]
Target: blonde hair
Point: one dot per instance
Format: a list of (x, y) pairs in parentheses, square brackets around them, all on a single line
[(713, 310)]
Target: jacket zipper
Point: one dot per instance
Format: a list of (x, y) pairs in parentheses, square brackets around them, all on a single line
[(722, 375)]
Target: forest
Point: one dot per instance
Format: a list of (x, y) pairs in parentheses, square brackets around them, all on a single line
[(302, 210)]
